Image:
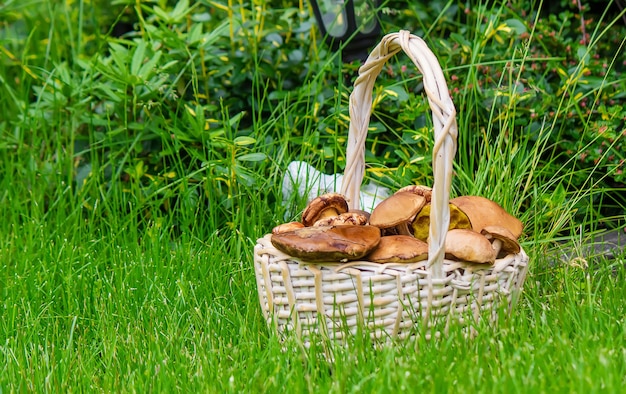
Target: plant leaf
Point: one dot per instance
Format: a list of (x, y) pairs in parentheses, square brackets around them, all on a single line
[(258, 156), (138, 57), (244, 140)]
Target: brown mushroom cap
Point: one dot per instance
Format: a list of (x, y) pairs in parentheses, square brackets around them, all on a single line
[(361, 212), (483, 212), (421, 190), (353, 218), (502, 240), (397, 210), (399, 249), (421, 224), (284, 227), (329, 204), (470, 246), (328, 243)]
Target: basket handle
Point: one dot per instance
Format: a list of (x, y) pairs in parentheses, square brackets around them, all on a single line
[(445, 130)]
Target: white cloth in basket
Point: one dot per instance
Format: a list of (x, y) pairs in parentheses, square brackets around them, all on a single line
[(304, 179)]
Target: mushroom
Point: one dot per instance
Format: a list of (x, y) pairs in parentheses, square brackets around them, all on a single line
[(399, 249), (397, 212), (483, 212), (354, 218), (421, 224), (470, 246), (326, 205), (328, 243), (366, 214), (502, 240), (284, 227), (420, 190)]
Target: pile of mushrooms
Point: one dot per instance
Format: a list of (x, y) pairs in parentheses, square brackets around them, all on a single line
[(396, 231)]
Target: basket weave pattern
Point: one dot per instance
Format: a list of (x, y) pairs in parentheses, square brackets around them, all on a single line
[(392, 300)]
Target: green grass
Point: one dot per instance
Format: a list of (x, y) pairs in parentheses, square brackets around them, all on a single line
[(135, 273), (115, 311)]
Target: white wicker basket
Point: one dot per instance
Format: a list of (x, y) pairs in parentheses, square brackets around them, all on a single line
[(389, 300)]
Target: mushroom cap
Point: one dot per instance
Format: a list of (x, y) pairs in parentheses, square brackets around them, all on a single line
[(328, 243), (284, 227), (470, 246), (507, 242), (353, 218), (361, 212), (397, 208), (399, 249), (420, 190), (483, 212), (334, 203), (421, 224)]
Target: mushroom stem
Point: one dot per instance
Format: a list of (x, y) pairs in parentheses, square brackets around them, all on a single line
[(403, 228), (502, 241), (496, 244)]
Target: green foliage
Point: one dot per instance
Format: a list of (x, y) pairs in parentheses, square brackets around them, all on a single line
[(203, 97), (528, 76)]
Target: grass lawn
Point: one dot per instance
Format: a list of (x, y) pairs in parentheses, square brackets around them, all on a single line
[(130, 204), (121, 309)]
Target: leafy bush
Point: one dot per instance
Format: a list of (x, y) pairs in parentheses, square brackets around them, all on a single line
[(184, 106)]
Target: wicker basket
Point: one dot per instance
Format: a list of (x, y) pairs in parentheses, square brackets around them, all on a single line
[(389, 300)]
